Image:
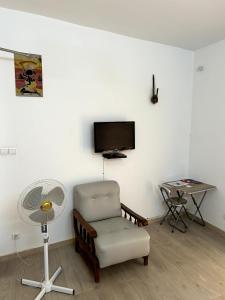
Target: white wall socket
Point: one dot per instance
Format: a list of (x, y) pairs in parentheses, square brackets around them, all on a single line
[(15, 236)]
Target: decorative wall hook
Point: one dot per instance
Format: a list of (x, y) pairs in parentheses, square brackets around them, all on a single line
[(154, 98)]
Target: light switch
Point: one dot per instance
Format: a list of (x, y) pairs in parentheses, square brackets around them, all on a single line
[(12, 151), (4, 151), (7, 151)]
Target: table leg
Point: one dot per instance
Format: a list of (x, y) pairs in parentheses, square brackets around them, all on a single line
[(202, 222)]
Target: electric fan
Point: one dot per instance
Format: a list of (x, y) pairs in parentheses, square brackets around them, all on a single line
[(40, 203)]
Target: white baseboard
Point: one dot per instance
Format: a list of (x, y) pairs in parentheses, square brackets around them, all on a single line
[(32, 251)]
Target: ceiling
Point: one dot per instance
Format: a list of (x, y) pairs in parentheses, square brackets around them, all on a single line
[(189, 24)]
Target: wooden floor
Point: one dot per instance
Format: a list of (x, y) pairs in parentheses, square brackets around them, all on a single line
[(187, 266)]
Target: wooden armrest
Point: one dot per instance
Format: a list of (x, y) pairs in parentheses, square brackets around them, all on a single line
[(140, 220), (90, 230)]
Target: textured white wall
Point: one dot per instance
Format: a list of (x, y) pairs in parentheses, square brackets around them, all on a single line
[(207, 161), (89, 75)]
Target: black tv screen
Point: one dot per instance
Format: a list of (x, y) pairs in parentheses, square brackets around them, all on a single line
[(114, 136)]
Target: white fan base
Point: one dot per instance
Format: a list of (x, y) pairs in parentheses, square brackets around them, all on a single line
[(48, 286)]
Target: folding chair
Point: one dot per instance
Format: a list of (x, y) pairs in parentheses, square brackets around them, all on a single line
[(176, 205)]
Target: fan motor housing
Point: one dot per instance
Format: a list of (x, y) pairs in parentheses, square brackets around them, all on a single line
[(46, 205)]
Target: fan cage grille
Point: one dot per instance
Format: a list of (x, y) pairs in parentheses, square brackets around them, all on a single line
[(47, 186)]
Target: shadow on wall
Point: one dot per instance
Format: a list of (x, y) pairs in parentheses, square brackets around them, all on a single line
[(154, 193)]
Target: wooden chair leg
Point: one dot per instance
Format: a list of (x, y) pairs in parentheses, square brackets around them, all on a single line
[(145, 260), (77, 246), (97, 274)]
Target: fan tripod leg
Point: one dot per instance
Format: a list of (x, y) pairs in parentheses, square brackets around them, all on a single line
[(48, 286), (59, 289), (41, 294), (35, 284), (31, 283)]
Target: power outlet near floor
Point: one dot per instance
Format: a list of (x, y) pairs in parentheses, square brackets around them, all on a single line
[(15, 236)]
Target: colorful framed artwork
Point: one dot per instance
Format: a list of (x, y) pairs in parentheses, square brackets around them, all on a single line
[(28, 75)]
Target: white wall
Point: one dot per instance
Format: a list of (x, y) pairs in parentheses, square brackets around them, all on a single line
[(207, 158), (89, 75)]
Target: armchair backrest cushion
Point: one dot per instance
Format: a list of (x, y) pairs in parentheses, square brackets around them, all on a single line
[(97, 201)]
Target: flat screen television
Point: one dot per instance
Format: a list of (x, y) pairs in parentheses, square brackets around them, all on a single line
[(111, 136)]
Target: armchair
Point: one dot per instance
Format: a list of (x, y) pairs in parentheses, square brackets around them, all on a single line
[(107, 232)]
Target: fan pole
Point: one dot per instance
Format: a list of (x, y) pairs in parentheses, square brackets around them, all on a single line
[(44, 230), (48, 284)]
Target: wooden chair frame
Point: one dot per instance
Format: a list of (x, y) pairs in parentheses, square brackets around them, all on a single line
[(85, 235)]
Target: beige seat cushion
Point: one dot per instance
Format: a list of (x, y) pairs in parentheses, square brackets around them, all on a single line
[(119, 240)]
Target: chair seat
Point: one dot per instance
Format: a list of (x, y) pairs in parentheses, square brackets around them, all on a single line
[(119, 240), (176, 201)]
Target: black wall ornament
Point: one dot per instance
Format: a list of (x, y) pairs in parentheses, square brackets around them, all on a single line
[(154, 98)]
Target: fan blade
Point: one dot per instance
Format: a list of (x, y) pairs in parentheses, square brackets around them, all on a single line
[(56, 195), (33, 199), (42, 217)]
